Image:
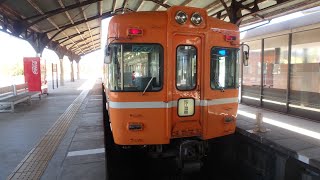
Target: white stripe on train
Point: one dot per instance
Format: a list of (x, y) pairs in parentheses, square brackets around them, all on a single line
[(170, 104)]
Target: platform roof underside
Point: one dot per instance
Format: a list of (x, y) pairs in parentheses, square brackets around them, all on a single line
[(73, 27)]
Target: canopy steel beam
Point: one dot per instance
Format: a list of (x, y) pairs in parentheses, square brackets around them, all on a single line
[(236, 7), (89, 50), (139, 4), (124, 3), (291, 9), (37, 40), (69, 17), (186, 2), (100, 7), (86, 50), (218, 6), (234, 11), (156, 8), (160, 3), (58, 11), (236, 17), (255, 7), (113, 5), (212, 5), (46, 41), (72, 36), (103, 16), (85, 17), (94, 35), (80, 43), (75, 42), (64, 39)]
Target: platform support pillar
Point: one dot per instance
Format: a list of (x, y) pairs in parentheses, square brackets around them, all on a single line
[(78, 70), (61, 72), (72, 71), (61, 55)]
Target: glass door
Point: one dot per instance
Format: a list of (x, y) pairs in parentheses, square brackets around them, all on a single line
[(186, 89)]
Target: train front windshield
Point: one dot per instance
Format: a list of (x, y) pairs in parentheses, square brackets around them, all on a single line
[(136, 67), (224, 73)]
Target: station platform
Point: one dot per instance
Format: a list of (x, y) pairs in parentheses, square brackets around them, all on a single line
[(61, 135), (293, 136), (57, 137)]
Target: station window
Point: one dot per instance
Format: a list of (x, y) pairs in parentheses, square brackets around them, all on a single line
[(186, 71), (136, 67), (223, 68)]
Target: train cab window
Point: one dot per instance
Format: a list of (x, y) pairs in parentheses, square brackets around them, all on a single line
[(115, 68), (223, 73), (136, 66), (186, 71)]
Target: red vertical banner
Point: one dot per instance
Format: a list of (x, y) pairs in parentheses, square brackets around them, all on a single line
[(35, 74)]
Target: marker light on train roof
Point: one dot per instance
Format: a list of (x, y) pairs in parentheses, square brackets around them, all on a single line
[(181, 17), (196, 18), (135, 32), (230, 38)]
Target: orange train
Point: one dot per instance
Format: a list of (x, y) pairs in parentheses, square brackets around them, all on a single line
[(171, 77)]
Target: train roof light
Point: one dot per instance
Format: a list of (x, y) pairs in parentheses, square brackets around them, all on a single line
[(135, 32), (181, 17), (196, 18)]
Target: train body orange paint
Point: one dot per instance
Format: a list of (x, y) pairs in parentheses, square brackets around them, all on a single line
[(167, 80)]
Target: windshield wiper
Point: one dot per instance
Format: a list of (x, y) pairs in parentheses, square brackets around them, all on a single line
[(147, 86), (219, 85), (221, 89)]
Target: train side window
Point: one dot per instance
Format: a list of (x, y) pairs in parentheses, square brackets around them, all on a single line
[(186, 70), (223, 63)]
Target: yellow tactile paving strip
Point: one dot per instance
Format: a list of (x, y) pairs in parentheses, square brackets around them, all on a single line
[(36, 161)]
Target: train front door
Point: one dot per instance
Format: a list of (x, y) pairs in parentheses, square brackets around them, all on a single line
[(186, 60)]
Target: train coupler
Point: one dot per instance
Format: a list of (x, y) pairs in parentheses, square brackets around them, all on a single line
[(191, 153)]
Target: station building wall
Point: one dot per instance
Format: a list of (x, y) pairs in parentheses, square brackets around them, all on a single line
[(284, 72)]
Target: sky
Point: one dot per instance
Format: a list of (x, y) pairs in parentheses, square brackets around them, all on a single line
[(13, 50)]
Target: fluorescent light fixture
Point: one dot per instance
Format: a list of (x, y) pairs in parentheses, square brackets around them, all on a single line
[(273, 21), (286, 17), (242, 29)]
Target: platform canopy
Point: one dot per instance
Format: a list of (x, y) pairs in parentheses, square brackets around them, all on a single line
[(73, 27)]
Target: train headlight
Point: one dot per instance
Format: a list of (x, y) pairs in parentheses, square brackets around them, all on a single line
[(186, 107), (196, 18), (181, 17)]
